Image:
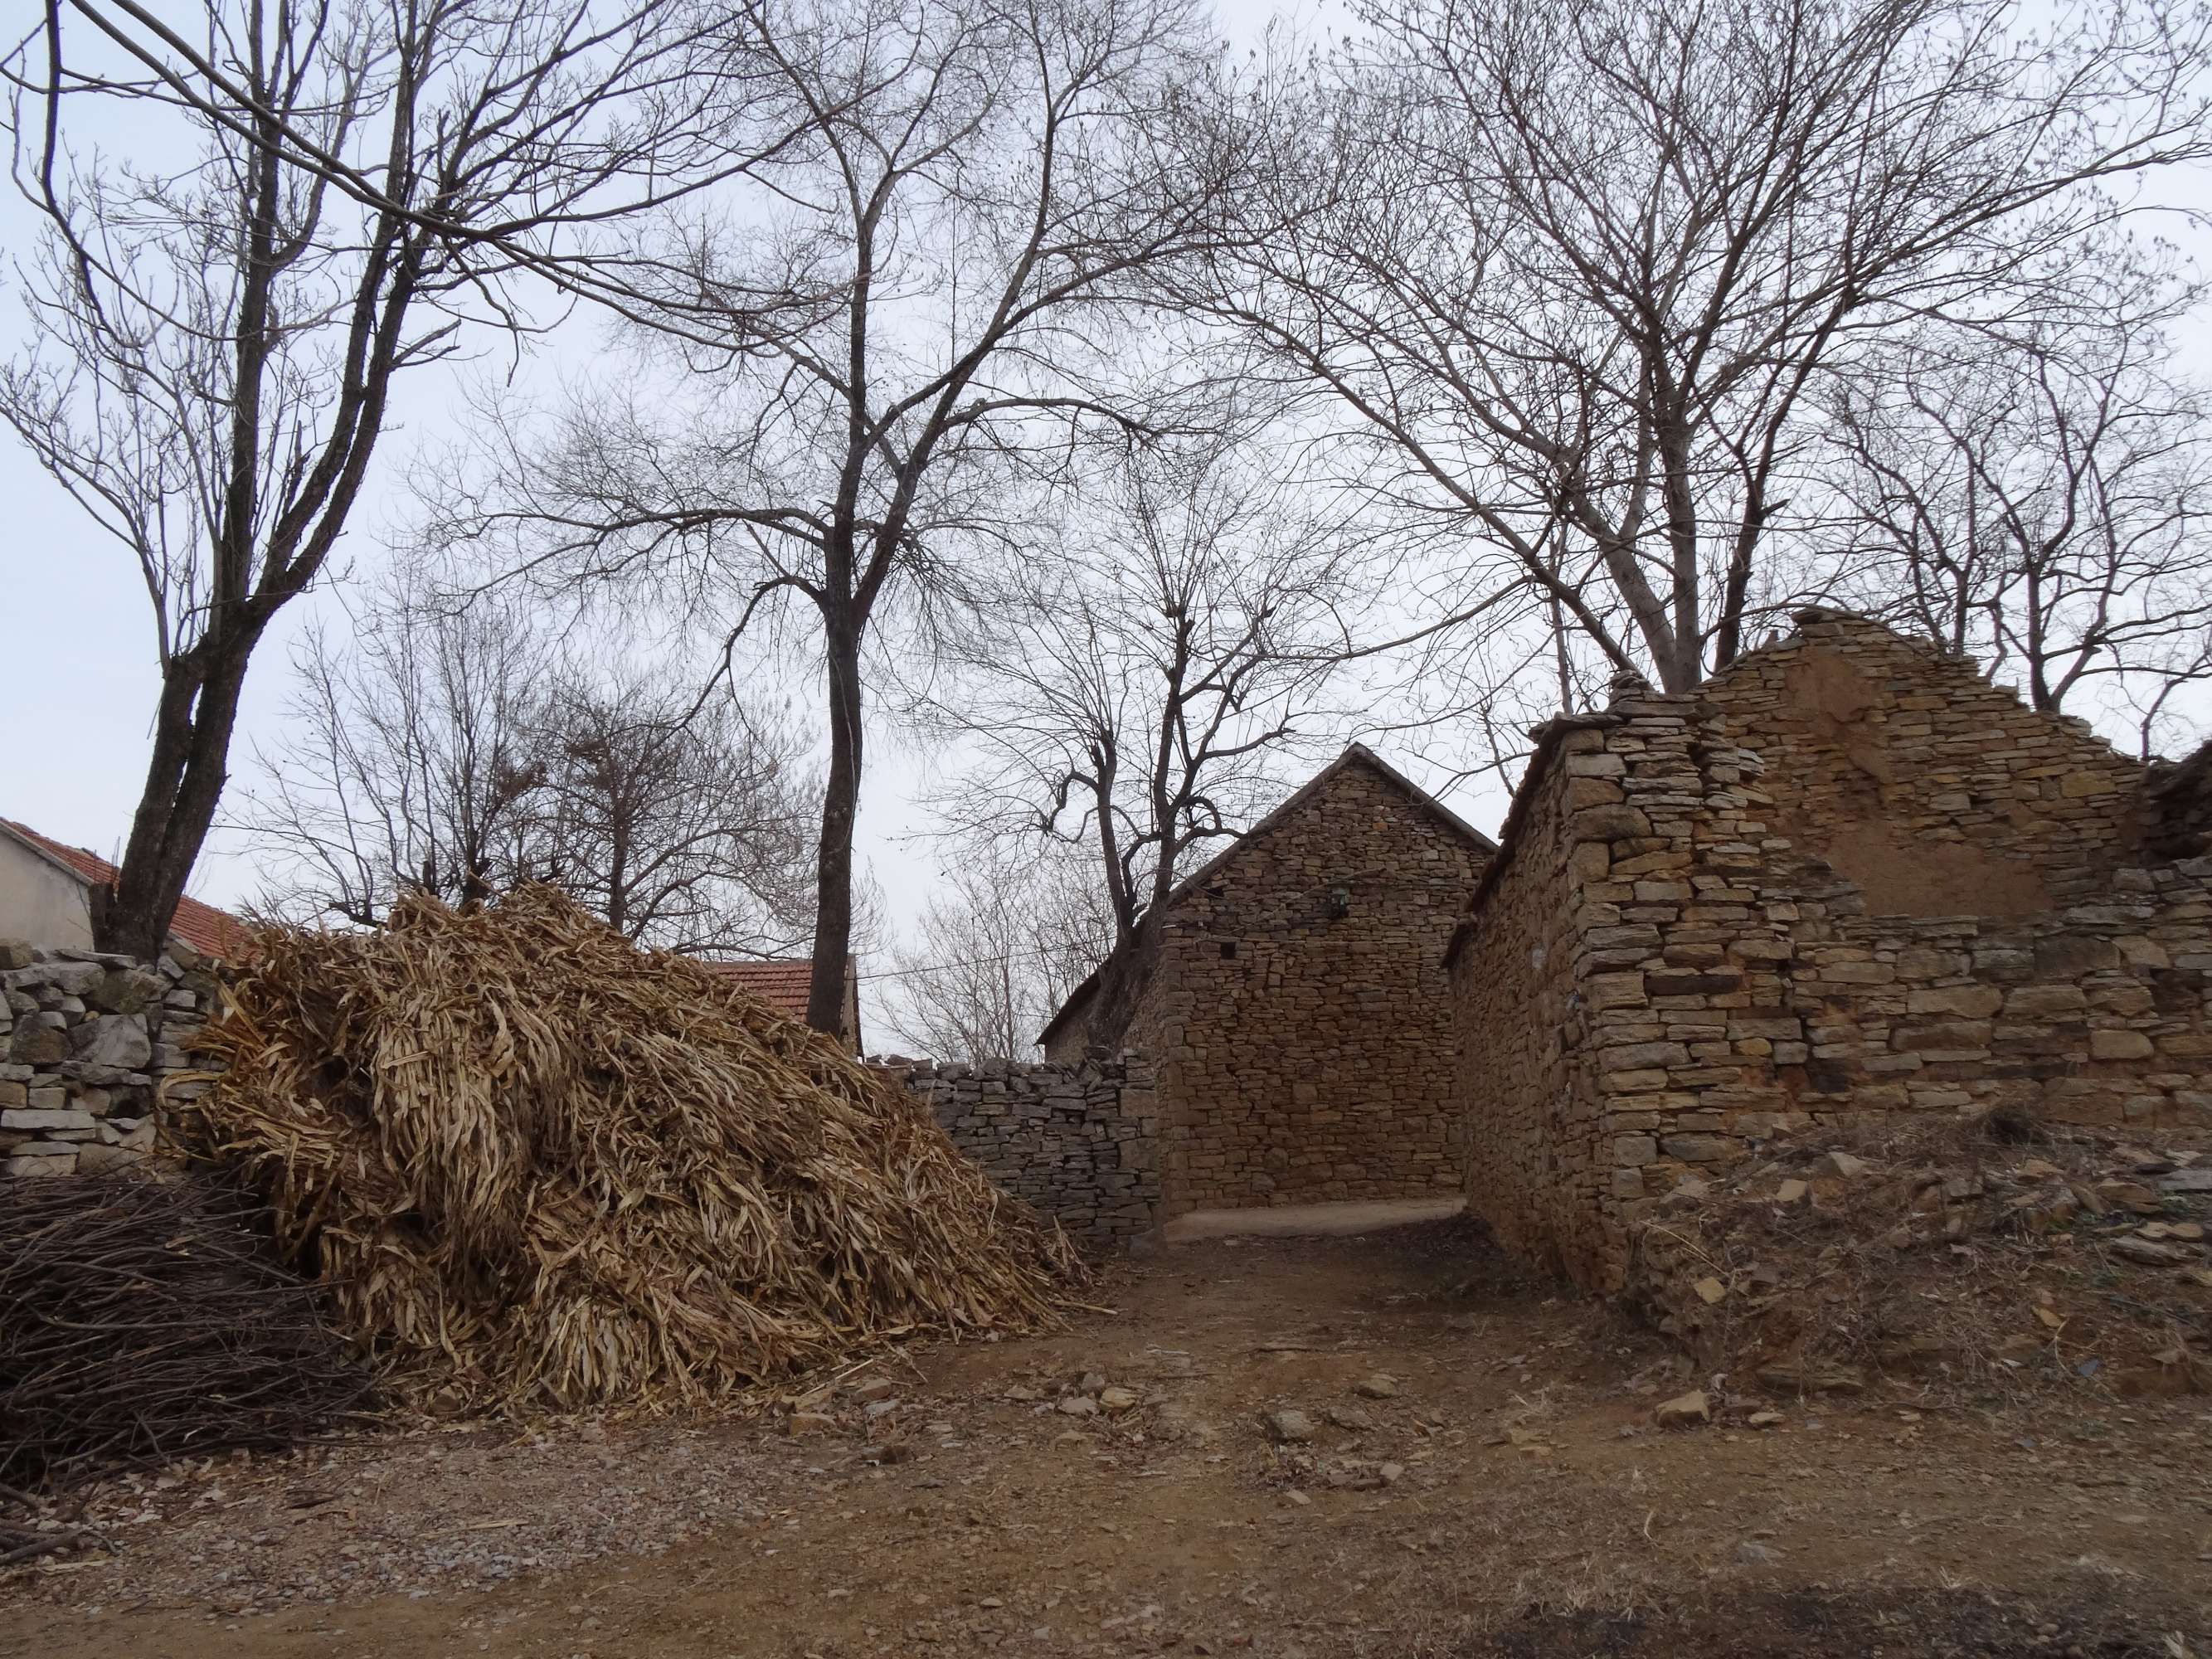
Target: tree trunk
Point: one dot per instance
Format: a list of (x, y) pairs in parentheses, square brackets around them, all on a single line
[(184, 777), (1122, 981), (840, 799), (1683, 667), (1109, 851), (1728, 644)]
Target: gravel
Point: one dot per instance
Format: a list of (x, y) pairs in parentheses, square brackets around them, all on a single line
[(421, 1511)]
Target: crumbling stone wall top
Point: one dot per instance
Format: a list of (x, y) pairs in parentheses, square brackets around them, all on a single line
[(1917, 779), (1722, 985)]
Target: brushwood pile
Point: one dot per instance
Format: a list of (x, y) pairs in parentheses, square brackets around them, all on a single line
[(148, 1319)]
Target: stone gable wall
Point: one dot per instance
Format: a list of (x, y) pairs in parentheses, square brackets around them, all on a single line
[(88, 1040), (1729, 986), (1918, 780), (1315, 1063), (1080, 1142)]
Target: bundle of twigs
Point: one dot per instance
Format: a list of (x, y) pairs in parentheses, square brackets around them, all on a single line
[(537, 1166), (142, 1320)]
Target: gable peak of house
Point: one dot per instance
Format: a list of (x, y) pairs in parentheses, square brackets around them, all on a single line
[(1354, 754)]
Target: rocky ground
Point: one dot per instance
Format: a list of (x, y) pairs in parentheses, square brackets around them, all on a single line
[(1984, 1255), (1392, 1445)]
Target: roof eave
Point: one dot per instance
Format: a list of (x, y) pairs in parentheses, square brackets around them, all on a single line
[(46, 855)]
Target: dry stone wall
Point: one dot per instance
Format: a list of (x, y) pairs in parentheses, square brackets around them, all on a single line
[(1918, 780), (1079, 1142), (1521, 1030), (89, 1039), (1300, 1015), (1729, 987), (2095, 1014)]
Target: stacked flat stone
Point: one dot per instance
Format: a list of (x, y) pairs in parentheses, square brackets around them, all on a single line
[(1655, 978), (1876, 746), (1079, 1142), (88, 1038), (1299, 1013)]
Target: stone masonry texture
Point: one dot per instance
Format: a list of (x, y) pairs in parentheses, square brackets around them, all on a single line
[(1846, 877), (1917, 779), (1079, 1142), (87, 1041), (1299, 1014)]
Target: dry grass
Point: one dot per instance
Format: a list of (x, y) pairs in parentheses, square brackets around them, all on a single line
[(540, 1167)]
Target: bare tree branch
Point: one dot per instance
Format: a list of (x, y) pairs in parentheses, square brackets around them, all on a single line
[(1135, 690), (459, 751), (326, 195), (921, 298), (2039, 500), (1566, 277)]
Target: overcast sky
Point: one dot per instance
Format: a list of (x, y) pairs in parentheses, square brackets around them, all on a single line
[(76, 629), (77, 640)]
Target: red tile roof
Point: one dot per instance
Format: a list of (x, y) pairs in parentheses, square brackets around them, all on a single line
[(211, 931), (782, 983)]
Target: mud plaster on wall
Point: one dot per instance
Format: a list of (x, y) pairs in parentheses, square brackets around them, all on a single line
[(1901, 874)]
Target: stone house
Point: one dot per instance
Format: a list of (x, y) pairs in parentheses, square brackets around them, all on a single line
[(1846, 877), (45, 889), (1297, 1014)]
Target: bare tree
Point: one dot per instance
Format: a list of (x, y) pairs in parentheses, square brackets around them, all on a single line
[(1003, 939), (321, 198), (1136, 692), (680, 819), (872, 355), (410, 758), (2041, 502), (1567, 273), (459, 750)]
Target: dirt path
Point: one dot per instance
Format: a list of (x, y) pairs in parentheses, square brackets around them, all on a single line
[(1506, 1494)]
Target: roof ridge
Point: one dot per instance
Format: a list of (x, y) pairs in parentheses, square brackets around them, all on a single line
[(1354, 751)]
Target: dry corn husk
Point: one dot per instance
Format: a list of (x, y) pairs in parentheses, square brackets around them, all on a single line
[(538, 1167)]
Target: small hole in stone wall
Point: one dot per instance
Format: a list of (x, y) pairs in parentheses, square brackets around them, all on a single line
[(1228, 950)]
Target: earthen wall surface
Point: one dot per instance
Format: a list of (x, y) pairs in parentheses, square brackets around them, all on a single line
[(1729, 985), (1300, 1016), (1918, 780)]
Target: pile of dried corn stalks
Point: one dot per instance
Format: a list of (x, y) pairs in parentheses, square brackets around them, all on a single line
[(537, 1167)]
